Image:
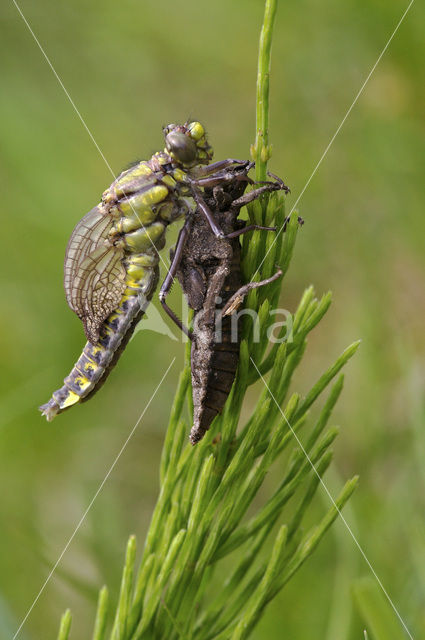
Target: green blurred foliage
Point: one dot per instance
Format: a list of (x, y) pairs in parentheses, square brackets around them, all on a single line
[(131, 67)]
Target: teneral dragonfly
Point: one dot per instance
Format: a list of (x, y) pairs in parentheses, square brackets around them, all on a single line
[(111, 261)]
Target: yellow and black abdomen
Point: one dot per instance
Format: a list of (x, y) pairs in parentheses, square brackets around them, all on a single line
[(138, 222), (97, 360)]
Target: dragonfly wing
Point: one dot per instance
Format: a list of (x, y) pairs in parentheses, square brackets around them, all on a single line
[(94, 275)]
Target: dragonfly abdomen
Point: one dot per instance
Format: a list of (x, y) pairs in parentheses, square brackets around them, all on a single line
[(97, 360), (138, 223)]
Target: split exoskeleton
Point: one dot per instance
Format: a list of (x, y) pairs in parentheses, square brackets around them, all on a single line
[(111, 263)]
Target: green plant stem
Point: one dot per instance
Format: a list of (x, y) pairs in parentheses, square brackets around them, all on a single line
[(206, 491), (261, 150)]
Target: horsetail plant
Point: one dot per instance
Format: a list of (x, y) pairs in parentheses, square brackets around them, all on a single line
[(206, 491)]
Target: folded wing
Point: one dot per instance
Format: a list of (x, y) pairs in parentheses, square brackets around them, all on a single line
[(94, 277)]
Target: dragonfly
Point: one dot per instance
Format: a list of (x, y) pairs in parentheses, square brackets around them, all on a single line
[(111, 267), (209, 271)]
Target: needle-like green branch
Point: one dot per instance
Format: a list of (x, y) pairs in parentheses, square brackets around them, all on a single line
[(208, 490)]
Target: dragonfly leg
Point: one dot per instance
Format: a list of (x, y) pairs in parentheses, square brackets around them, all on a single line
[(250, 227), (206, 211), (222, 176), (236, 300), (283, 186), (222, 164), (258, 227), (255, 193), (171, 274)]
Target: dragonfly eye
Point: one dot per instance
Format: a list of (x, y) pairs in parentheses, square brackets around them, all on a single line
[(181, 147)]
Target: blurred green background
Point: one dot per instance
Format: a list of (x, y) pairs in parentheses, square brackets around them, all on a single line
[(131, 67)]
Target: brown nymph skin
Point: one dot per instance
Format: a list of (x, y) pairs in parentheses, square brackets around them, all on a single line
[(210, 275)]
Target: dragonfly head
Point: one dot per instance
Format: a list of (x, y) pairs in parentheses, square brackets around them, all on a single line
[(187, 144)]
